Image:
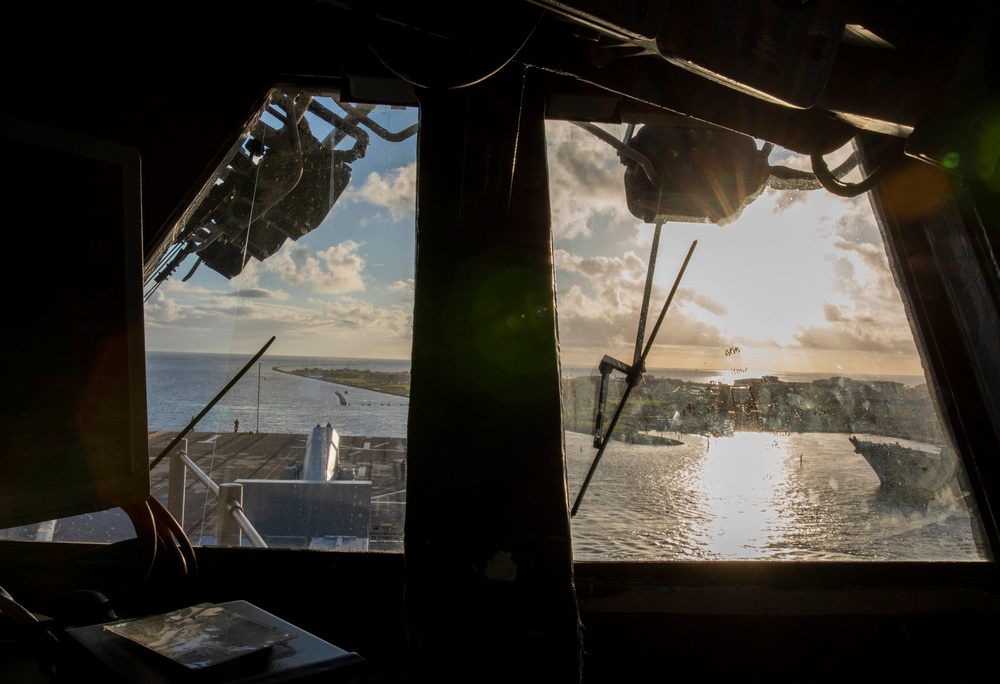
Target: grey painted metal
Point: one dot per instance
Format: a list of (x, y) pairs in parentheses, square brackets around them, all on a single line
[(200, 474), (177, 484), (230, 498), (292, 512), (231, 519), (249, 530), (320, 461)]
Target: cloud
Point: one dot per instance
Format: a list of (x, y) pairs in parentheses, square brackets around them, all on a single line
[(850, 335), (585, 325), (353, 314), (161, 309), (863, 276), (243, 286), (586, 185), (704, 301), (616, 283), (345, 316), (250, 276), (197, 309), (180, 287), (787, 198), (257, 293), (216, 315), (402, 286), (864, 311), (872, 255), (396, 190), (600, 313), (336, 270), (856, 224), (181, 304), (833, 314), (628, 266)]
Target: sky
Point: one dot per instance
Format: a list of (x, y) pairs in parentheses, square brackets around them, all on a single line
[(343, 290), (799, 283)]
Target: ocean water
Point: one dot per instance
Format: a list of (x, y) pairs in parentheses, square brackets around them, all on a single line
[(751, 495), (179, 385), (756, 495)]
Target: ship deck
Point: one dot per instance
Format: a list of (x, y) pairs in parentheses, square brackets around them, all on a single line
[(227, 457)]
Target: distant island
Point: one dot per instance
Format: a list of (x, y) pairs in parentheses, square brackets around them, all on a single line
[(388, 382), (765, 404)]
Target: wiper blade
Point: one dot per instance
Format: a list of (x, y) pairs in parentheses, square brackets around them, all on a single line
[(633, 372)]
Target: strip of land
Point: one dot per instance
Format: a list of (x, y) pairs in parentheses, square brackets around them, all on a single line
[(388, 382)]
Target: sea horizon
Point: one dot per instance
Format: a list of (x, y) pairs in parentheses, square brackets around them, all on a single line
[(703, 375)]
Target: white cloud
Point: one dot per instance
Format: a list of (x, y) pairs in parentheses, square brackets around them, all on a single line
[(161, 309), (250, 276), (860, 336), (258, 293), (396, 190), (627, 267), (600, 313), (704, 301), (787, 198), (331, 271), (351, 314), (586, 185), (586, 326), (344, 317), (180, 287)]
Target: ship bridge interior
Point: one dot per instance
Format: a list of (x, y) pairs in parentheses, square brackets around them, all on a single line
[(486, 587)]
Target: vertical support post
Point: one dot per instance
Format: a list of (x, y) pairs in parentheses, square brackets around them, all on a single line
[(489, 569), (177, 484), (228, 532)]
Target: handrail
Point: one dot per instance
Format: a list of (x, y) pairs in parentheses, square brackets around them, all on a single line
[(248, 529), (198, 472), (229, 496)]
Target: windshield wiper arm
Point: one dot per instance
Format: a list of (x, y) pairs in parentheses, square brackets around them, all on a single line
[(633, 372)]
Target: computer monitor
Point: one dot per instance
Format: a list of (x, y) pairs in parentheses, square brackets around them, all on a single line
[(73, 420)]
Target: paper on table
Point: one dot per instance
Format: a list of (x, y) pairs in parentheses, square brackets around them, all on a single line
[(200, 636)]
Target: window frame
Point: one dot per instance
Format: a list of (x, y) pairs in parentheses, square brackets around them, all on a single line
[(946, 273)]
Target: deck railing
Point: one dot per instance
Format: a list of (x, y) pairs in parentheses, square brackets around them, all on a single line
[(231, 522)]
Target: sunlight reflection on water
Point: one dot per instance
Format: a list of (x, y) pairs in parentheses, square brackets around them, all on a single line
[(754, 496), (740, 483)]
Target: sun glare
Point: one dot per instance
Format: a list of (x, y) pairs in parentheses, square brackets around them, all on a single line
[(740, 486)]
